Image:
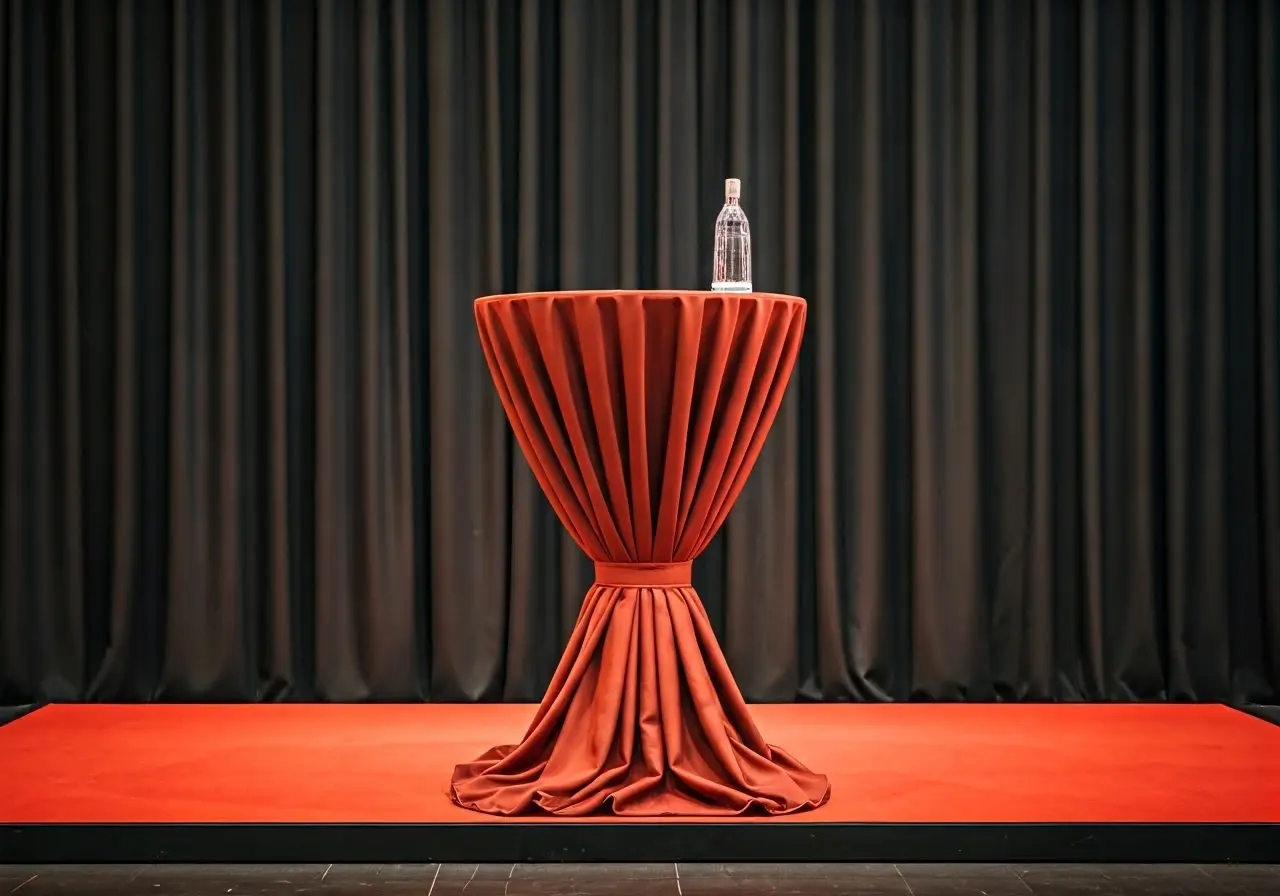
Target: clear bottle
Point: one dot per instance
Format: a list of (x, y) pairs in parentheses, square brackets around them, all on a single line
[(731, 268)]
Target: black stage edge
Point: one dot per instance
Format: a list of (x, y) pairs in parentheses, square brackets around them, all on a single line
[(507, 842), (1261, 711), (13, 713)]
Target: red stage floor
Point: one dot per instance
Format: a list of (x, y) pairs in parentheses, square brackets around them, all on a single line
[(887, 763)]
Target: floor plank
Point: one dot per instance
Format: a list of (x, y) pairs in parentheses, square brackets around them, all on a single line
[(652, 879)]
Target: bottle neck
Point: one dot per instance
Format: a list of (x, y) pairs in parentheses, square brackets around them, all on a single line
[(731, 200)]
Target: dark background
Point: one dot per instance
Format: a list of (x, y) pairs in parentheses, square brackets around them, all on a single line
[(251, 450)]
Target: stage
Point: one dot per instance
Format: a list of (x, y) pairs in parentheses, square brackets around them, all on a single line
[(368, 783)]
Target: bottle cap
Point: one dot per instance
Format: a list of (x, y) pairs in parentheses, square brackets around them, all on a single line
[(732, 188)]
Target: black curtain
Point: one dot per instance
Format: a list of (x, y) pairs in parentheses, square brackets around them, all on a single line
[(251, 449)]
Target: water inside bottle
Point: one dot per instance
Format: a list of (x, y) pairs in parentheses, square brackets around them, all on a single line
[(731, 267)]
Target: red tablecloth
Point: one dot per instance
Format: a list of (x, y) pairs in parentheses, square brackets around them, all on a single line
[(641, 414)]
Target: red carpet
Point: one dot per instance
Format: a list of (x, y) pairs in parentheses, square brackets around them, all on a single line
[(895, 763)]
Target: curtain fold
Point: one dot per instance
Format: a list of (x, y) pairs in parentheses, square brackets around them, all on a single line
[(251, 449)]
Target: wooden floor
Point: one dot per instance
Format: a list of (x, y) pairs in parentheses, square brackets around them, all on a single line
[(642, 880)]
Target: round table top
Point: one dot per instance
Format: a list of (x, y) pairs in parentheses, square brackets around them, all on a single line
[(584, 294)]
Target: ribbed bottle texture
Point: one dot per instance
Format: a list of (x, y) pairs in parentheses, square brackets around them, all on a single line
[(731, 268)]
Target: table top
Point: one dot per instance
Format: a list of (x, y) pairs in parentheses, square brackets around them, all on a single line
[(592, 294)]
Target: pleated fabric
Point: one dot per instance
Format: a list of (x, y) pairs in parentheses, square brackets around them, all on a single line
[(641, 415)]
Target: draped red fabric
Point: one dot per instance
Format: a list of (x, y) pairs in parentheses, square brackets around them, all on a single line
[(641, 414)]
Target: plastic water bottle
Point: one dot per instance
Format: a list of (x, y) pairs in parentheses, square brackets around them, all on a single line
[(731, 269)]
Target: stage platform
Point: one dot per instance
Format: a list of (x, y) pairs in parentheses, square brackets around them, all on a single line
[(910, 783)]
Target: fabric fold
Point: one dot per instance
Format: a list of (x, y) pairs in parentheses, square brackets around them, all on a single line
[(641, 416)]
